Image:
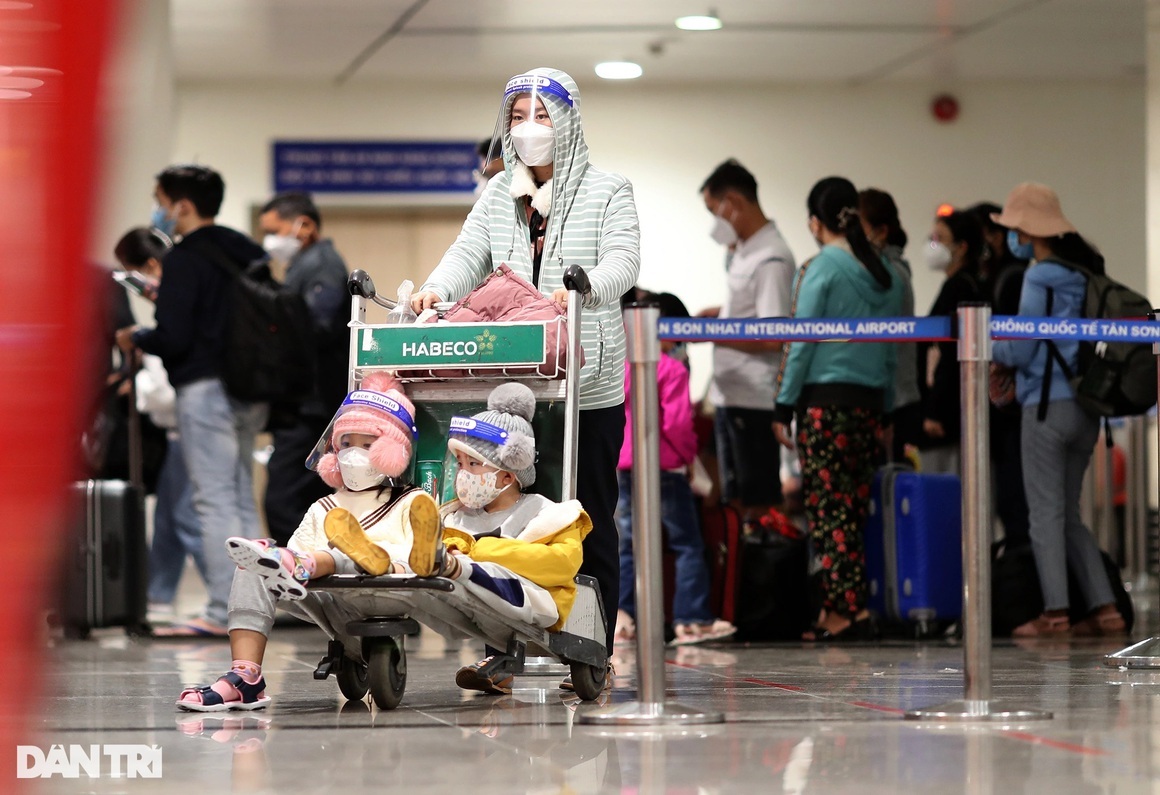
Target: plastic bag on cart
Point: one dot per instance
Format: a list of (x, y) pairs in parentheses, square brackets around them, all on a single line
[(403, 313), (504, 296)]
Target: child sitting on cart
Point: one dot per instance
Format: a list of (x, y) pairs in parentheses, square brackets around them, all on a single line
[(365, 455), (518, 553)]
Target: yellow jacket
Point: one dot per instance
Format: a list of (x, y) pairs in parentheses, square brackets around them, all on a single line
[(547, 551)]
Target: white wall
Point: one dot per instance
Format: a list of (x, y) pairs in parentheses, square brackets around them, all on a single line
[(138, 105), (1087, 140)]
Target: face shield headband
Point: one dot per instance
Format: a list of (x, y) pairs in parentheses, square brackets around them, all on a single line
[(363, 397), (537, 84), (380, 401), (477, 429)]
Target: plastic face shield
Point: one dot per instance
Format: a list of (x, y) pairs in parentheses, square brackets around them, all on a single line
[(527, 98), (461, 429), (391, 410)]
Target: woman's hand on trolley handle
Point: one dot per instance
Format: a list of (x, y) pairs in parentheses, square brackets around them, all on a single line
[(424, 300)]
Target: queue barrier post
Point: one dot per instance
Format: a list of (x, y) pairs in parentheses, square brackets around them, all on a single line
[(976, 704), (1146, 653), (1136, 553), (650, 708)]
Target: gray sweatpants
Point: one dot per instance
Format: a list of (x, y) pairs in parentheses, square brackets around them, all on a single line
[(252, 606), (1056, 453)]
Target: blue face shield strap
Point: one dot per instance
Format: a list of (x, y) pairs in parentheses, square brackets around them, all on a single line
[(381, 402), (477, 429), (525, 84)]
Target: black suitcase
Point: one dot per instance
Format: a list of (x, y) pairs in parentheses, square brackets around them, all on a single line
[(105, 581)]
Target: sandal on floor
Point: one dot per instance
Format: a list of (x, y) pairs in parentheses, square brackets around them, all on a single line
[(250, 696), (195, 628), (689, 634), (862, 629), (1043, 626), (625, 629), (1101, 624)]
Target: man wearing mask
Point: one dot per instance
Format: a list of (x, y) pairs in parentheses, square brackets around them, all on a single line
[(759, 275), (292, 227), (191, 313)]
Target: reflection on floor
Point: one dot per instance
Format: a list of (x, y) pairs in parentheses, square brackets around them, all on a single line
[(799, 719)]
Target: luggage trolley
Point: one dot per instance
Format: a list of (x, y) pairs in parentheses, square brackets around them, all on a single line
[(456, 380)]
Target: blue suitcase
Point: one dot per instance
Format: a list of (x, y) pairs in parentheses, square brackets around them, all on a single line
[(913, 538)]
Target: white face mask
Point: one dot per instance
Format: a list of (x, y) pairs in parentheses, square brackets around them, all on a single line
[(534, 143), (723, 232), (281, 247), (358, 473), (938, 256), (477, 491)]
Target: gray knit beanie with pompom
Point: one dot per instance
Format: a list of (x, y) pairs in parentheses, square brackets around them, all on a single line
[(510, 407)]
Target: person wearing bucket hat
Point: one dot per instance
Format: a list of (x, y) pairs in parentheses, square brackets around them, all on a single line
[(365, 456), (1056, 445)]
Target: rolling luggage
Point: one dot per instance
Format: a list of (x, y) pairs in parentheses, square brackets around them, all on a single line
[(914, 548), (105, 578)]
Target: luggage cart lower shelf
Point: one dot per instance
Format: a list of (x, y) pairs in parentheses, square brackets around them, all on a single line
[(390, 603)]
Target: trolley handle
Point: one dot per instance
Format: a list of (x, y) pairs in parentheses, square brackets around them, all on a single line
[(575, 279), (360, 284)]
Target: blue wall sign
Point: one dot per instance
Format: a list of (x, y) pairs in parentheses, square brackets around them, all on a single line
[(375, 166)]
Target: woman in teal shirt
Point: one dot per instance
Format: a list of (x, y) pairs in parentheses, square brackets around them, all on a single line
[(840, 394)]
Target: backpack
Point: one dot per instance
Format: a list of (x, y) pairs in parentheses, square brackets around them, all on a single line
[(1112, 379), (269, 341)]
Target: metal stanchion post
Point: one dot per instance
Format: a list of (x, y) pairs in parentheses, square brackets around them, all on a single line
[(1103, 494), (1146, 653), (1136, 532), (650, 709), (976, 704)]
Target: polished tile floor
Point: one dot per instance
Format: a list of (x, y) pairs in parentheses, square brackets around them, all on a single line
[(798, 719)]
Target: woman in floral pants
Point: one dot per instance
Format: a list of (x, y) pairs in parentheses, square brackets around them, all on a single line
[(839, 449), (839, 392)]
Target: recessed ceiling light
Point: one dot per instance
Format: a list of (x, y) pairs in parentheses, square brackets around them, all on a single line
[(708, 21), (619, 70)]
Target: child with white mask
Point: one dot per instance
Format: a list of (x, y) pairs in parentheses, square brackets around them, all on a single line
[(518, 552), (365, 456)]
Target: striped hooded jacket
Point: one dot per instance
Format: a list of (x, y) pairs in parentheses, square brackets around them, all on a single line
[(591, 222)]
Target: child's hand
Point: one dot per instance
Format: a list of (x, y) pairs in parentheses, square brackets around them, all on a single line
[(560, 296)]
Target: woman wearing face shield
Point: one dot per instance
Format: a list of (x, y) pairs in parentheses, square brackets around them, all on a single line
[(550, 209)]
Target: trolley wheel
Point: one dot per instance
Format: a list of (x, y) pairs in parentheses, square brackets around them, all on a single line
[(387, 673), (588, 680), (352, 678)]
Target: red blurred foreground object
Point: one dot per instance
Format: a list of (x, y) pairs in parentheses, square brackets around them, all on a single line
[(49, 141)]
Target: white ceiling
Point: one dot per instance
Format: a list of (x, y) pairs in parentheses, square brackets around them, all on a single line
[(854, 41)]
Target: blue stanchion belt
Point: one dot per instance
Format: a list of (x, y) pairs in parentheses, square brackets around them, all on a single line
[(898, 329)]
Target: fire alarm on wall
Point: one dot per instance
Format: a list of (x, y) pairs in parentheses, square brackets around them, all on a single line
[(945, 108)]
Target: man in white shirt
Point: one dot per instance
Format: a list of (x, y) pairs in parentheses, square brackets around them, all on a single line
[(759, 272)]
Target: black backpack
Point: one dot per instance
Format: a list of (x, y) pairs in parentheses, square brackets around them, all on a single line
[(269, 342), (1113, 379)]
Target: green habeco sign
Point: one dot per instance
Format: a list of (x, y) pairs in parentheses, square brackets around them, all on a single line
[(460, 344)]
